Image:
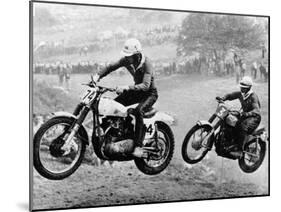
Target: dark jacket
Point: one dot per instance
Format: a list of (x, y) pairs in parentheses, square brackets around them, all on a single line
[(251, 106), (143, 75)]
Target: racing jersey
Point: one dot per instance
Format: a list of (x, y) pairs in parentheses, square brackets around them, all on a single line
[(143, 74), (251, 105)]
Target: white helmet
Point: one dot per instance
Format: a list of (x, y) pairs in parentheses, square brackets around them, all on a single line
[(131, 47), (246, 82)]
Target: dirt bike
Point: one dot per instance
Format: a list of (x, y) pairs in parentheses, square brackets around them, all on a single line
[(60, 143), (219, 130)]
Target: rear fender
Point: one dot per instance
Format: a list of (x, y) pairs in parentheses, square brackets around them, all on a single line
[(83, 135), (262, 136), (158, 117), (163, 117)]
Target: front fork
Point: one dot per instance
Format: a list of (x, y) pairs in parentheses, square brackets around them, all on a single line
[(74, 128), (215, 126), (156, 136)]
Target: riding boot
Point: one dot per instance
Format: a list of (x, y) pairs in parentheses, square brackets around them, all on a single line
[(139, 129), (139, 151)]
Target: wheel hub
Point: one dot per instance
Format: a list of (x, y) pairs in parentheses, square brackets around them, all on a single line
[(159, 150), (55, 147)]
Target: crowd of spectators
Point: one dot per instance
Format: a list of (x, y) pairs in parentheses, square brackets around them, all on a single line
[(149, 37), (237, 67)]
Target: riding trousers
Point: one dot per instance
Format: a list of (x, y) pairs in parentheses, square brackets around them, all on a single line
[(246, 126), (145, 99)]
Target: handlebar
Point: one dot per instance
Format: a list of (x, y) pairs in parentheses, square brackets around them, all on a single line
[(102, 89), (105, 89)]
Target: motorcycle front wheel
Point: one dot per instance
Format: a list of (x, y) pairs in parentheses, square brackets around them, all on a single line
[(253, 156), (166, 145), (193, 149), (48, 156)]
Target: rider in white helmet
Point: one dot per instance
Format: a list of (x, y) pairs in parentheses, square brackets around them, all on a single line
[(143, 91), (250, 116), (132, 46)]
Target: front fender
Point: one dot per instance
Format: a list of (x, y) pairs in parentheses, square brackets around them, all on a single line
[(82, 131), (64, 114), (204, 123)]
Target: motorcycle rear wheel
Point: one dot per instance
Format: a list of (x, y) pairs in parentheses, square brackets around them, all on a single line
[(246, 160), (188, 151), (167, 143), (43, 153)]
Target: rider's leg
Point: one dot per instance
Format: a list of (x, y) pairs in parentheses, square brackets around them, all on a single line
[(130, 98), (246, 127), (146, 100), (143, 107), (140, 110)]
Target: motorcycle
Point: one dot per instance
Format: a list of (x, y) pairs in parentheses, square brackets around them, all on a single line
[(59, 144), (219, 131)]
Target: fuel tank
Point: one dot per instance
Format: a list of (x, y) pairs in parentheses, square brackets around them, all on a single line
[(109, 107)]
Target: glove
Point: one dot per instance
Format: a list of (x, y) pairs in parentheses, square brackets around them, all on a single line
[(121, 89)]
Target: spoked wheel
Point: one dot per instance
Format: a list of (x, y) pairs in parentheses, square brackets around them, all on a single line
[(156, 163), (195, 147), (253, 156), (49, 158)]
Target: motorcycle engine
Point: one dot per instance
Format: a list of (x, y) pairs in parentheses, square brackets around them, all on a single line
[(118, 138), (225, 139)]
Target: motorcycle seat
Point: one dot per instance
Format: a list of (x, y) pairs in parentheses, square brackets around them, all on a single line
[(150, 113), (258, 131)]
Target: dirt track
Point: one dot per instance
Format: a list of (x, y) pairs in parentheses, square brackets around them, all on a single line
[(123, 184)]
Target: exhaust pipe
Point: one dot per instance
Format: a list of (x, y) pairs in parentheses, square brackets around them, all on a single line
[(120, 148)]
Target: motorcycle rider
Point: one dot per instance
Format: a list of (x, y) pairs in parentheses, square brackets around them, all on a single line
[(143, 91), (250, 117)]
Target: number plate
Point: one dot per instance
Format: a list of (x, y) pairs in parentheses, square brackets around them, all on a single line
[(150, 129), (89, 96), (221, 111)]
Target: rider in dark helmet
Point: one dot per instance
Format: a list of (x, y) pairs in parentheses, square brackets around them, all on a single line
[(143, 91), (250, 117)]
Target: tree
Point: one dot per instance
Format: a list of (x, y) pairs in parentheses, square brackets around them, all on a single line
[(214, 35)]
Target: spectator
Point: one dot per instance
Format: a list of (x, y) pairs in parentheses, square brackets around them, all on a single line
[(237, 67), (254, 69), (263, 72), (61, 73), (243, 68), (67, 76)]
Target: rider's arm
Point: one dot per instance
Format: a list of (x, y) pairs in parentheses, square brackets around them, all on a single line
[(232, 96), (255, 107), (145, 84), (111, 67)]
